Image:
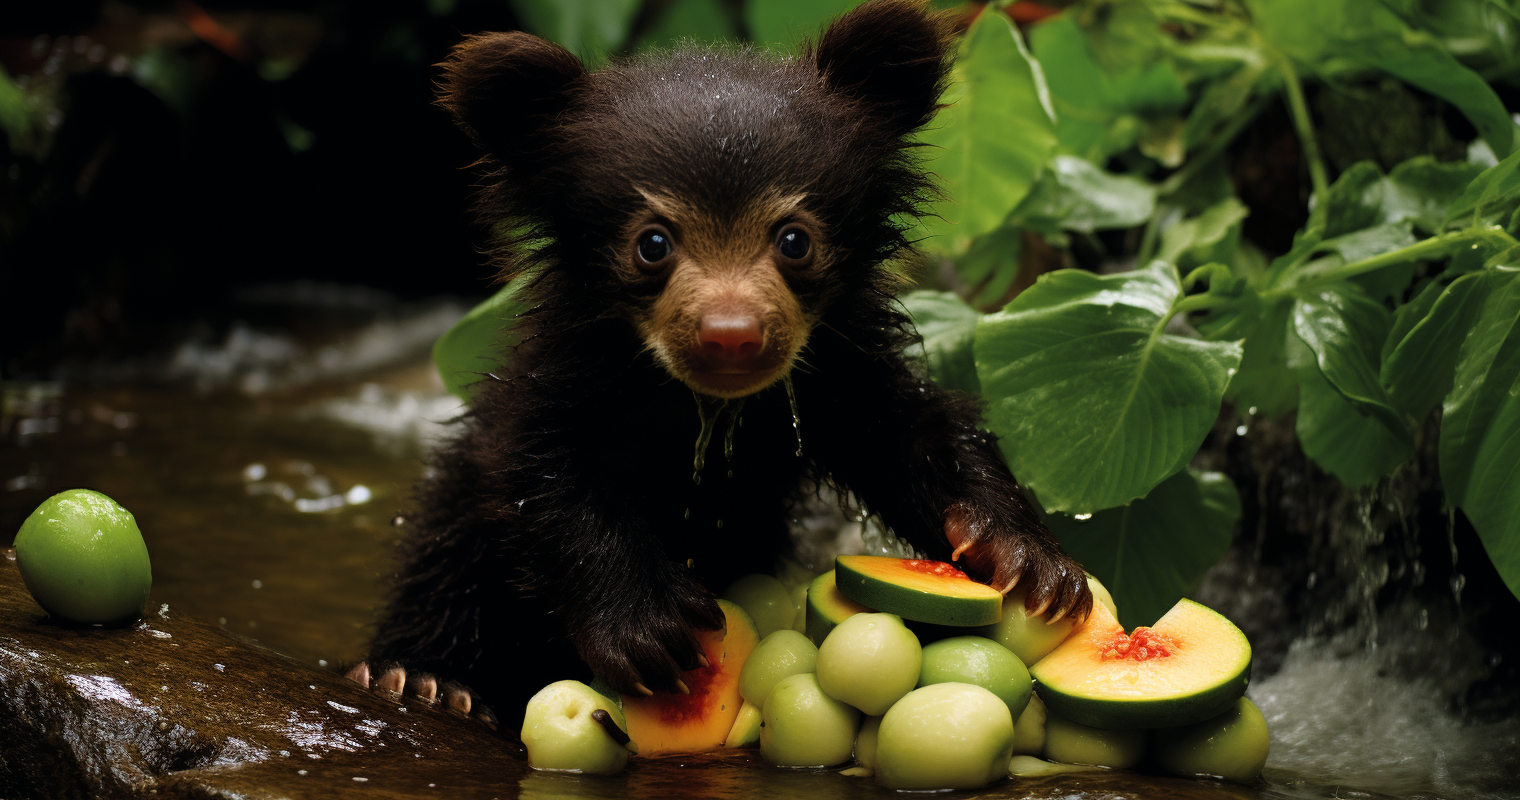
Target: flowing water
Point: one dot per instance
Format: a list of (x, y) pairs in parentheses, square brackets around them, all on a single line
[(265, 472)]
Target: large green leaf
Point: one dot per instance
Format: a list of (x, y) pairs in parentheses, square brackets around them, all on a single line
[(1210, 236), (948, 327), (1491, 198), (990, 266), (479, 342), (1074, 195), (1422, 190), (1265, 383), (1356, 447), (1480, 426), (690, 20), (1346, 329), (990, 145), (1156, 550), (588, 28), (1094, 403), (1419, 366)]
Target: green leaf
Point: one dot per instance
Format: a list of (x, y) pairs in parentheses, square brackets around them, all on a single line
[(1074, 195), (689, 20), (1480, 426), (1419, 61), (784, 23), (1418, 369), (1422, 189), (948, 327), (990, 145), (1211, 236), (479, 342), (1096, 405), (1491, 197), (1345, 329), (589, 28), (1266, 384), (1154, 551), (1355, 447)]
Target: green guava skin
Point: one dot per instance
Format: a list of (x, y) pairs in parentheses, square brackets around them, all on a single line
[(1072, 743), (561, 734), (780, 655), (804, 727), (1232, 745), (767, 601), (870, 661), (82, 557), (981, 662), (944, 736)]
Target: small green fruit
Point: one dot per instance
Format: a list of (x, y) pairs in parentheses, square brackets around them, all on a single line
[(561, 733), (1232, 745), (766, 600), (803, 727), (944, 736), (83, 558), (869, 661), (1071, 743), (780, 655), (981, 662)]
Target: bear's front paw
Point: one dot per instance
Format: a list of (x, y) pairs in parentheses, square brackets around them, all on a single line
[(644, 648), (1054, 584)]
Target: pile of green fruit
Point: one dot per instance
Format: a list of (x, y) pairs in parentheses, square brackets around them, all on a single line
[(942, 683)]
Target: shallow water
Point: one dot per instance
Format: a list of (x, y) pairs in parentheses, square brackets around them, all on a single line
[(266, 472)]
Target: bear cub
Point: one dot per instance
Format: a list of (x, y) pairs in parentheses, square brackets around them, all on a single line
[(705, 234)]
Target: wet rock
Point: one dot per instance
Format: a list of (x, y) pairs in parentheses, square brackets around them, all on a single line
[(171, 707)]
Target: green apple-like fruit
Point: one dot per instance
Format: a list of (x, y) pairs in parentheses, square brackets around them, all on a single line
[(1028, 637), (1029, 729), (869, 661), (561, 731), (865, 744), (746, 730), (1070, 743), (803, 727), (83, 558), (982, 662), (944, 736), (780, 655), (1232, 745), (765, 599)]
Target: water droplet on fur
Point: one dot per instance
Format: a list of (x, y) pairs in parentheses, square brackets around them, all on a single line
[(791, 397)]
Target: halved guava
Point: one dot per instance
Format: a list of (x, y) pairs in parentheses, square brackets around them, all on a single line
[(1191, 665), (827, 607), (701, 720), (918, 589)]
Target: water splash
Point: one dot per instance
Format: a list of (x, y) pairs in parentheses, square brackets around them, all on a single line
[(791, 396)]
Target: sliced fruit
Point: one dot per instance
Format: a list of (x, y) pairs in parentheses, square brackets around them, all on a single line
[(918, 589), (827, 607), (701, 720), (746, 730), (1191, 665), (1232, 745), (1072, 743), (765, 599)]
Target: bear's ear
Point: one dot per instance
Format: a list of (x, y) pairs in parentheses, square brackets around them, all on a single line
[(890, 54), (505, 90)]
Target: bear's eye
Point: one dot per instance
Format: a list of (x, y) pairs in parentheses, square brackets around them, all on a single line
[(794, 244), (653, 248)]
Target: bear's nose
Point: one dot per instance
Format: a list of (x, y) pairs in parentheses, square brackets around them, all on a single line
[(730, 338)]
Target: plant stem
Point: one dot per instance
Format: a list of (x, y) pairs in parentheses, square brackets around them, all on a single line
[(1304, 125), (1435, 245)]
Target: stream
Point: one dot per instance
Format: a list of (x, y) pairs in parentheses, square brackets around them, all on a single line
[(267, 471)]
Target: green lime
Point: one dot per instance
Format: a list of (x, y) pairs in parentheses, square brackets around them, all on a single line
[(83, 558)]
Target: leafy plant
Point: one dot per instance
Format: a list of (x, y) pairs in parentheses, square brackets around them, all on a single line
[(1397, 298)]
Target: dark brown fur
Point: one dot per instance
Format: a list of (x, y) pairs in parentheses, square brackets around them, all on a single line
[(560, 524)]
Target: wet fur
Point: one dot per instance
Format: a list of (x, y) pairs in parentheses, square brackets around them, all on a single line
[(558, 527)]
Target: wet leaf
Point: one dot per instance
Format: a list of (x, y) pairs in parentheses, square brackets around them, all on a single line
[(948, 327), (1074, 195), (1480, 426), (1266, 384), (479, 342), (1211, 236), (1095, 404), (992, 142), (1154, 551), (1355, 447), (1422, 189), (1419, 365), (1345, 330), (1491, 197)]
